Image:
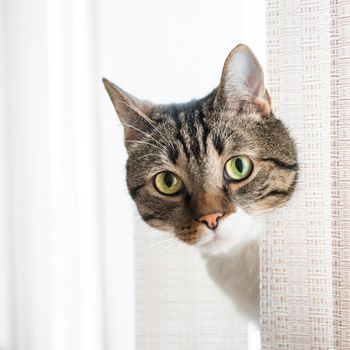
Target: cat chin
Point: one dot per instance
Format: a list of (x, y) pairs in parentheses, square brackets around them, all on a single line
[(234, 231)]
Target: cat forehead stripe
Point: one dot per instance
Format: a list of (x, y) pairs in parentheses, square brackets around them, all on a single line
[(192, 133), (173, 153)]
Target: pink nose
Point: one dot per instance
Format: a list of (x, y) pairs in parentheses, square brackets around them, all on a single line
[(211, 220)]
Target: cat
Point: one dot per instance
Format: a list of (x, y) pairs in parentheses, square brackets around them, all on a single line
[(208, 170)]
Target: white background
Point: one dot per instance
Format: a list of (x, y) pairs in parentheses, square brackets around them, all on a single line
[(66, 231)]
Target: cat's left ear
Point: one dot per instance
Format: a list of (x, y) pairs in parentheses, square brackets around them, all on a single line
[(242, 80)]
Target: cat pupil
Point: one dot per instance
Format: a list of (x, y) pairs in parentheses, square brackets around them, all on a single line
[(168, 179), (239, 165)]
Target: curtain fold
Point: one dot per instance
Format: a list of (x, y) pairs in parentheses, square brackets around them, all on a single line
[(340, 157), (305, 252), (66, 262)]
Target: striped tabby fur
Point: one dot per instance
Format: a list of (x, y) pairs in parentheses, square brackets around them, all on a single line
[(194, 140)]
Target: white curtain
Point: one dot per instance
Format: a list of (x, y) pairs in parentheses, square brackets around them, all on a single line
[(66, 246), (67, 266), (305, 272)]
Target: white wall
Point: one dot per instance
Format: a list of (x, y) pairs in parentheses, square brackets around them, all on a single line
[(176, 49)]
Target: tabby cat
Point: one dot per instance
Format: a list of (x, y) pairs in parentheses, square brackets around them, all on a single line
[(207, 171)]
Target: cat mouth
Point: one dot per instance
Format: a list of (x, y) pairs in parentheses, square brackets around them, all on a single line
[(236, 229)]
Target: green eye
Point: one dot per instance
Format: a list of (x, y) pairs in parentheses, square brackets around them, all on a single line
[(168, 183), (239, 168)]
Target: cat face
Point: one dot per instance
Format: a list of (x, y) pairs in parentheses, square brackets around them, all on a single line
[(204, 170)]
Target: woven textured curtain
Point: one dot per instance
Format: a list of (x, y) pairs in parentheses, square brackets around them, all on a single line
[(177, 304), (305, 270)]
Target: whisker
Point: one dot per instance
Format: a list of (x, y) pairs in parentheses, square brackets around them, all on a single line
[(144, 156), (161, 243), (140, 113), (147, 143), (143, 132), (148, 120)]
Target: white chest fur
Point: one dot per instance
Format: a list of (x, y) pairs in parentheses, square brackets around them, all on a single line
[(232, 260)]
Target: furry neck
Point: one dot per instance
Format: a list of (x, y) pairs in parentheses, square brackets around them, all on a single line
[(236, 272)]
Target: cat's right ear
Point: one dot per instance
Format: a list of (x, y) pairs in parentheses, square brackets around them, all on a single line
[(242, 80), (132, 112)]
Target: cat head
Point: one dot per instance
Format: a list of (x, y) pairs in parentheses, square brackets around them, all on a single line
[(204, 170)]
